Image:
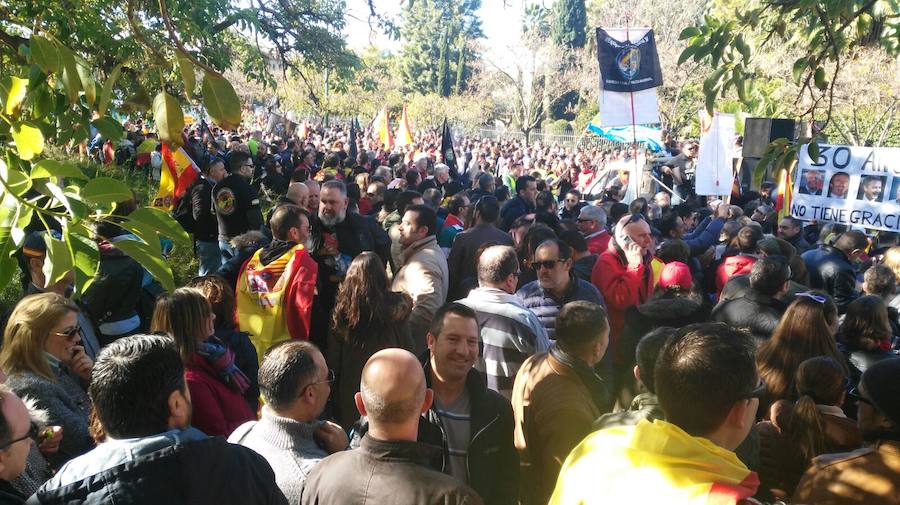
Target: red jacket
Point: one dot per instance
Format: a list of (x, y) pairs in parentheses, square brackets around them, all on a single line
[(217, 409), (732, 266), (599, 243), (622, 287)]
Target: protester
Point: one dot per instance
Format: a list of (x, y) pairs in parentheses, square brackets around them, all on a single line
[(43, 360), (204, 224), (521, 204), (582, 259), (759, 309), (865, 335), (509, 332), (424, 273), (747, 248), (17, 433), (276, 286), (707, 384), (557, 396), (389, 467), (295, 384), (592, 224), (869, 475), (143, 406), (831, 268), (216, 385), (455, 222), (236, 203), (461, 260), (790, 229), (367, 318)]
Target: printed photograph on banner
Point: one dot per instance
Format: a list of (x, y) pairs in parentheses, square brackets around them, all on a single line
[(870, 188), (894, 195), (812, 182), (839, 185)]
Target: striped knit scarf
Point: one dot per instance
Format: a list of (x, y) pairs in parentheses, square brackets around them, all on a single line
[(221, 359)]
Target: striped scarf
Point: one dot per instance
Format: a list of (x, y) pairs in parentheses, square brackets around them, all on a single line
[(221, 359)]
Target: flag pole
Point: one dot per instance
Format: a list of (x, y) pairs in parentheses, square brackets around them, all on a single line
[(635, 183)]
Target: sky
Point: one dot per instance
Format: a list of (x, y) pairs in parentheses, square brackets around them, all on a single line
[(500, 24)]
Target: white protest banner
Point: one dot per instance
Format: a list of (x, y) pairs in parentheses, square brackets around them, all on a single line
[(851, 185), (714, 172)]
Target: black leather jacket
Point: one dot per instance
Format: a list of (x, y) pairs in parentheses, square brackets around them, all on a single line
[(831, 271)]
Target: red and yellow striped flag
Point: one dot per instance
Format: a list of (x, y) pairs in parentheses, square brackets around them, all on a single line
[(785, 191)]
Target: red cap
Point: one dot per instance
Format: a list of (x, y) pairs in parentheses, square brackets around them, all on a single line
[(674, 274)]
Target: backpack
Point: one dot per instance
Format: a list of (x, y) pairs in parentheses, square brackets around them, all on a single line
[(184, 212)]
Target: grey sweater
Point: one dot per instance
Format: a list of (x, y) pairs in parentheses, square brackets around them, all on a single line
[(67, 405), (287, 445)]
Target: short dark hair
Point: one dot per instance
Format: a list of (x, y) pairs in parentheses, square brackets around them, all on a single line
[(213, 162), (748, 239), (131, 383), (647, 352), (769, 274), (424, 216), (437, 323), (286, 369), (565, 252), (667, 223), (457, 204), (522, 183), (284, 218), (674, 250), (484, 181), (544, 201), (574, 239), (488, 208), (236, 159), (702, 370), (580, 323), (796, 223), (851, 240), (405, 198)]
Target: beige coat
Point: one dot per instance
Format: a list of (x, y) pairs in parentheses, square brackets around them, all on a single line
[(868, 476), (424, 277)]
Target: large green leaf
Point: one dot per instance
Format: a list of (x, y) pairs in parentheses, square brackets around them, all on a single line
[(17, 91), (109, 128), (52, 168), (169, 119), (17, 181), (88, 84), (29, 139), (690, 31), (162, 223), (150, 257), (221, 101), (44, 54), (105, 190), (187, 74), (85, 256), (106, 92), (58, 262), (70, 78), (76, 208)]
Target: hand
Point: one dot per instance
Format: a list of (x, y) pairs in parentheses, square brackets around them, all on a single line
[(634, 254), (331, 437), (49, 439), (80, 364)]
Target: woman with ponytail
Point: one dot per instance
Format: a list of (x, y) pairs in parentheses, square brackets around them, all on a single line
[(800, 431)]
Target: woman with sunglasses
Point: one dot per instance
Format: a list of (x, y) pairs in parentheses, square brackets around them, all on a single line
[(44, 360), (216, 384)]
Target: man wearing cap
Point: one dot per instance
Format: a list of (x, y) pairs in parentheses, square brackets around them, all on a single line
[(869, 476)]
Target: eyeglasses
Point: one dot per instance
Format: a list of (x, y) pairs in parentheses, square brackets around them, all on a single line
[(33, 433), (584, 220), (70, 333), (812, 296), (329, 380), (855, 394), (548, 264), (759, 391)]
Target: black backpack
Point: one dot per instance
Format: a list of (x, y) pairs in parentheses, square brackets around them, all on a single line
[(184, 212)]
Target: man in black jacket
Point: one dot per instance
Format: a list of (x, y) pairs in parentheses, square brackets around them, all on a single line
[(521, 204), (759, 309), (831, 268), (206, 226), (236, 203), (390, 467), (474, 424), (461, 262), (152, 455)]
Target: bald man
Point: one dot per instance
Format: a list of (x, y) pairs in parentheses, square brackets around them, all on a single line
[(298, 193), (312, 203), (389, 467)]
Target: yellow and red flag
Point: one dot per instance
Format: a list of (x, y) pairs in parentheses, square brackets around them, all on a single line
[(383, 129), (178, 173), (785, 192), (404, 134)]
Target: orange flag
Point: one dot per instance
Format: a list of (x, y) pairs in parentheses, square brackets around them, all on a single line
[(404, 135)]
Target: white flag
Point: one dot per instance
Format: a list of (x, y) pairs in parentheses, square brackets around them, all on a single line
[(615, 107), (715, 173)]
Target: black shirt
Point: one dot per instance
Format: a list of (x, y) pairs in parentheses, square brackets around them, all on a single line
[(237, 207)]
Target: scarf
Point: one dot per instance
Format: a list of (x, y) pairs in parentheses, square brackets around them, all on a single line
[(221, 359), (599, 393)]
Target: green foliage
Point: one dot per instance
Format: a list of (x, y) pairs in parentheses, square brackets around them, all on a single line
[(569, 22), (428, 29), (558, 127)]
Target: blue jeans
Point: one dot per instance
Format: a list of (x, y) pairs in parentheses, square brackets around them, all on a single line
[(209, 256), (228, 252)]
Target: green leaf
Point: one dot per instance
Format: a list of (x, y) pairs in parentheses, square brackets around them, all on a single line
[(221, 101), (29, 139), (109, 128), (44, 54), (813, 151), (77, 209), (51, 168), (819, 79), (106, 92), (85, 256), (690, 31), (169, 119), (799, 66), (150, 257), (18, 182), (70, 78), (187, 74), (43, 102), (742, 47), (139, 101), (687, 53), (58, 262), (87, 83), (17, 91), (105, 190), (161, 223)]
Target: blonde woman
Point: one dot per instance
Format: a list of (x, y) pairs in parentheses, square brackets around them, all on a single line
[(44, 360)]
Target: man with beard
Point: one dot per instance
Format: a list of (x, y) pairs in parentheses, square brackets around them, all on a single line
[(337, 237), (867, 475), (276, 286)]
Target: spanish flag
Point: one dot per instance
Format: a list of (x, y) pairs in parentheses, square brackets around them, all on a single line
[(177, 175), (652, 463), (383, 129), (785, 192), (404, 135)]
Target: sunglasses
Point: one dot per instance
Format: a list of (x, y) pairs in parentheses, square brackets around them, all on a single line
[(548, 264), (70, 333), (814, 297), (584, 220), (759, 391), (33, 433)]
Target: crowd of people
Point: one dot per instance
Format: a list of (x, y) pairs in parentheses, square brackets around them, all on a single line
[(374, 325)]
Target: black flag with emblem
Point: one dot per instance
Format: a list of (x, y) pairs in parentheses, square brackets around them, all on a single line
[(448, 154), (628, 66)]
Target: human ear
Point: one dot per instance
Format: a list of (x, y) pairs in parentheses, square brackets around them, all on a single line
[(360, 407)]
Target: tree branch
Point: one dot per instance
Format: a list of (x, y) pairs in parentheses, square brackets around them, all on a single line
[(173, 35), (140, 36)]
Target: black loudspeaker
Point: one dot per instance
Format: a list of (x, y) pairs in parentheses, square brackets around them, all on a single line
[(759, 132)]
